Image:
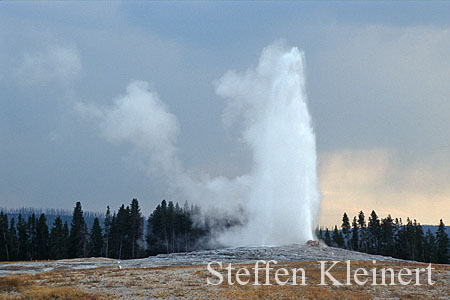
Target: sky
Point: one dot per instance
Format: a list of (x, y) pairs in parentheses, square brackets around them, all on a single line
[(377, 81)]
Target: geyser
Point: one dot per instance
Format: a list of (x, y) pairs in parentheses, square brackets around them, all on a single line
[(284, 198), (279, 198)]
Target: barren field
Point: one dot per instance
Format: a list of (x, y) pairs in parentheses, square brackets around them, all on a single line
[(107, 279)]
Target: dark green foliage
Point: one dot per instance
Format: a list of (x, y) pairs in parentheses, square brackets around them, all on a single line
[(78, 232), (327, 239), (373, 233), (96, 241), (387, 245), (362, 232), (346, 228), (355, 235), (31, 225), (442, 244), (107, 224), (12, 240), (430, 247), (4, 250), (23, 243), (170, 229), (393, 238), (338, 238), (136, 228), (42, 238), (58, 240)]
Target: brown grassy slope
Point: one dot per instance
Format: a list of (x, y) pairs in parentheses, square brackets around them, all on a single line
[(189, 282)]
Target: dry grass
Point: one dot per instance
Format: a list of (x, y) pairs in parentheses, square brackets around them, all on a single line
[(189, 282), (25, 287)]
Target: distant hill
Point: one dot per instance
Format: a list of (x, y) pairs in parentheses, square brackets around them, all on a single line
[(52, 214), (434, 228)]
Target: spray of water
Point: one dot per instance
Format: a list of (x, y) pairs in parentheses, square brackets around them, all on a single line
[(279, 199), (284, 198)]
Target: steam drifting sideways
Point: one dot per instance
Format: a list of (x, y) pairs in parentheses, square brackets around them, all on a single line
[(279, 199)]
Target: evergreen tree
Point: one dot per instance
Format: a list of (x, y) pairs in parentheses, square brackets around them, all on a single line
[(65, 237), (362, 230), (442, 244), (58, 240), (327, 237), (96, 242), (429, 247), (338, 239), (373, 233), (22, 239), (319, 233), (355, 235), (187, 225), (419, 240), (32, 233), (4, 250), (346, 229), (42, 238), (107, 224), (136, 227), (77, 236), (387, 246), (13, 240)]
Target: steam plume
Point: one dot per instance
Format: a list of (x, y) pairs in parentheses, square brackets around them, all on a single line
[(279, 198)]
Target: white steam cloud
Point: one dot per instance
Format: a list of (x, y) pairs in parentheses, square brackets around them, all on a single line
[(279, 199), (141, 119)]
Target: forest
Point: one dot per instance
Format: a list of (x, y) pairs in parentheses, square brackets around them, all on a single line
[(170, 228), (389, 237)]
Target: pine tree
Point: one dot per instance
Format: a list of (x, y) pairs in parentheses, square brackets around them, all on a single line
[(387, 236), (373, 233), (442, 244), (327, 237), (4, 250), (338, 239), (22, 239), (419, 242), (362, 229), (12, 240), (136, 227), (319, 233), (96, 242), (31, 224), (355, 235), (42, 238), (58, 240), (107, 224), (346, 229), (187, 224), (122, 231), (77, 236), (430, 247)]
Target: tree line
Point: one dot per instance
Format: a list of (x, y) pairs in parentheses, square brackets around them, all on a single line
[(389, 237), (170, 228)]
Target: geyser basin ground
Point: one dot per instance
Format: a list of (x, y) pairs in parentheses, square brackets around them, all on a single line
[(183, 276), (238, 255)]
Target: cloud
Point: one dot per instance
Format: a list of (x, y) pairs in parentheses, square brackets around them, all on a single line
[(141, 119), (367, 179), (54, 64), (382, 86)]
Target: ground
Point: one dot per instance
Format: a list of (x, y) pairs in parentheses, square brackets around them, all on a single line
[(181, 276)]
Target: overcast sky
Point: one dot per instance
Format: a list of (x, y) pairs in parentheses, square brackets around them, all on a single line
[(378, 81)]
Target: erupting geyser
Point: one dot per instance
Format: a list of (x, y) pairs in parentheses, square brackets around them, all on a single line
[(279, 199), (284, 198)]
